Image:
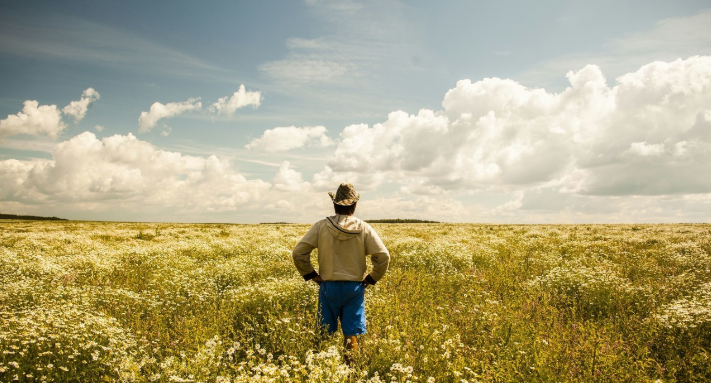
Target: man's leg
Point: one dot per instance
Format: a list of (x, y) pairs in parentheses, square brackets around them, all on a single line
[(350, 343), (353, 319), (328, 314)]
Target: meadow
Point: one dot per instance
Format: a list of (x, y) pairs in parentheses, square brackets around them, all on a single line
[(137, 302)]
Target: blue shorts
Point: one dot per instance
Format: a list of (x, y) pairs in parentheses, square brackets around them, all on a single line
[(344, 301)]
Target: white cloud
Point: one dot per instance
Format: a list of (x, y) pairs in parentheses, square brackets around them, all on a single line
[(281, 206), (648, 135), (124, 172), (158, 111), (645, 149), (77, 109), (327, 178), (13, 174), (33, 120), (240, 99), (286, 138), (122, 177), (288, 179)]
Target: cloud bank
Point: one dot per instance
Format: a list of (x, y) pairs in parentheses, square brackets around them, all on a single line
[(648, 135), (125, 171), (286, 138), (638, 149)]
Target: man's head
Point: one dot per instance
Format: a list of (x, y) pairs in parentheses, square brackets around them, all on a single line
[(345, 199)]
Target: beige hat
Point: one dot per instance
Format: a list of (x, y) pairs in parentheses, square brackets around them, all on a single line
[(345, 195)]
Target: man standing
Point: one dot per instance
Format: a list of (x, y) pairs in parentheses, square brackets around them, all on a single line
[(343, 242)]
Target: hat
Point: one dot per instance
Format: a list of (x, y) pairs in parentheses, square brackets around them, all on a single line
[(345, 195)]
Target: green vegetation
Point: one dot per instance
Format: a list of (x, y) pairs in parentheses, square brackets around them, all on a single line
[(88, 301)]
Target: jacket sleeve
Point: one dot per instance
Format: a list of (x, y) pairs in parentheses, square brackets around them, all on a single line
[(379, 256), (302, 253)]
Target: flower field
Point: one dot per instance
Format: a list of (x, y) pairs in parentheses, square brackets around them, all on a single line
[(94, 302)]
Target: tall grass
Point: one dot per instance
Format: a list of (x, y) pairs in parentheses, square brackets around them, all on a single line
[(475, 303)]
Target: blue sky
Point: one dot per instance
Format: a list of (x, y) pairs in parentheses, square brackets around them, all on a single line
[(457, 111)]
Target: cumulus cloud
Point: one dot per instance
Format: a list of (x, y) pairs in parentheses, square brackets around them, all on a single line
[(125, 171), (288, 179), (77, 109), (649, 134), (158, 111), (644, 149), (240, 99), (636, 148), (286, 138), (33, 120)]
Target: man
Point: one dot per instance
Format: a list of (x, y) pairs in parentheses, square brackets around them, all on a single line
[(343, 242)]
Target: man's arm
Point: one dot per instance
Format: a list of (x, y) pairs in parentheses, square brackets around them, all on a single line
[(302, 253), (379, 256)]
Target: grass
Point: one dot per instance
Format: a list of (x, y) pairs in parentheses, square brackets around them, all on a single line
[(85, 301)]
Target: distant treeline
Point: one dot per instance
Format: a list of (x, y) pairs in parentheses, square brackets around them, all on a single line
[(30, 217), (399, 220)]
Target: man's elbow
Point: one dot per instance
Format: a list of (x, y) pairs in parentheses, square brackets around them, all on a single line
[(383, 257), (300, 251), (381, 261)]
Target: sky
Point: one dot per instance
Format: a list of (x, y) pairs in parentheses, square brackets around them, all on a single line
[(455, 111)]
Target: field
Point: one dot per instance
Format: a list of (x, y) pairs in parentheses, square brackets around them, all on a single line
[(91, 302)]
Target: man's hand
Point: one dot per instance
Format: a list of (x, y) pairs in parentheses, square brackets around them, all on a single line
[(317, 279)]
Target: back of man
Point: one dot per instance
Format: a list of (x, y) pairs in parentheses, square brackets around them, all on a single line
[(343, 242)]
